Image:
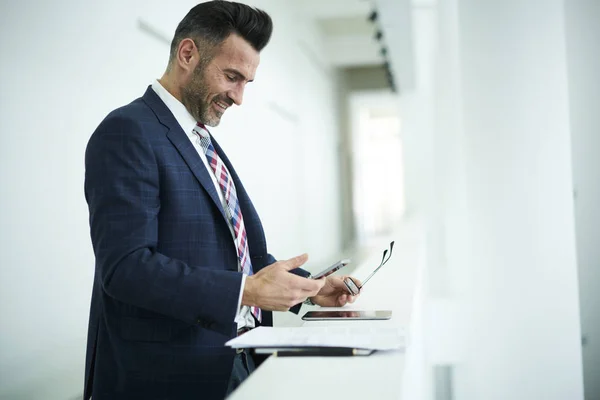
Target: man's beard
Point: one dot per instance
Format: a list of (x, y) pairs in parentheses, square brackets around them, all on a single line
[(194, 97)]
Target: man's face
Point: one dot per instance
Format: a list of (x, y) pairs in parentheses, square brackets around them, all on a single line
[(215, 86)]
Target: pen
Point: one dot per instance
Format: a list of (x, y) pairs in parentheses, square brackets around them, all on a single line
[(321, 352)]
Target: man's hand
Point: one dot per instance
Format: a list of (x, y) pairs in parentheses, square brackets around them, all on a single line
[(274, 288), (334, 293)]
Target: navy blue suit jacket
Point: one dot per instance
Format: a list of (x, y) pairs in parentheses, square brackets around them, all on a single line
[(166, 285)]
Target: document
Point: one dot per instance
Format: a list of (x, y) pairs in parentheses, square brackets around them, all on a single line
[(383, 338)]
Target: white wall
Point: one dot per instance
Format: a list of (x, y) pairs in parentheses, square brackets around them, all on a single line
[(489, 167), (492, 177), (417, 116), (65, 65), (583, 61), (519, 292)]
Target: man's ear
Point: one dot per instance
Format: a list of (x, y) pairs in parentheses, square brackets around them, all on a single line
[(187, 55)]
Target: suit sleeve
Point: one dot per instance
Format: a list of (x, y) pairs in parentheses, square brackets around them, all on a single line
[(123, 195)]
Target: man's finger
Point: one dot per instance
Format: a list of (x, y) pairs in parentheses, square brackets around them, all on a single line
[(309, 286), (356, 281), (337, 281), (295, 262)]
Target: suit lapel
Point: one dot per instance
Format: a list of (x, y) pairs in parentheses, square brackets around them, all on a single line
[(183, 145)]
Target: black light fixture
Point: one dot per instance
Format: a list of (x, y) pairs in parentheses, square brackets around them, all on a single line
[(373, 16), (389, 76), (383, 51)]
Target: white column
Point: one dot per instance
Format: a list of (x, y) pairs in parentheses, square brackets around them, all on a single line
[(521, 310), (583, 55)]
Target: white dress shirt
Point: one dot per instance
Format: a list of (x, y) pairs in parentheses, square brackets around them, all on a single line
[(244, 316)]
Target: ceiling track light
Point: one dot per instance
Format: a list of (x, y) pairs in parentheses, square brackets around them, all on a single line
[(383, 51), (373, 16)]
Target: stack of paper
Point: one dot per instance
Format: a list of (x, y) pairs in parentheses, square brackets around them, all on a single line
[(348, 337)]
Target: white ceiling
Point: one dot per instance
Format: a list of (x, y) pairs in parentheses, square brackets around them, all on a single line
[(348, 34), (323, 9)]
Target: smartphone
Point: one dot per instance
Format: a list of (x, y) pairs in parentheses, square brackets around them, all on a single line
[(345, 315), (330, 270)]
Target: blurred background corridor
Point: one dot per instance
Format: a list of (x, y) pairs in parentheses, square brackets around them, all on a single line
[(470, 126)]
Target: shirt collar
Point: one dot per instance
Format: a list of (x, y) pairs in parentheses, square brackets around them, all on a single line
[(181, 114)]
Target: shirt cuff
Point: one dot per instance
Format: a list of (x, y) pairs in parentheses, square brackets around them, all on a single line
[(239, 307)]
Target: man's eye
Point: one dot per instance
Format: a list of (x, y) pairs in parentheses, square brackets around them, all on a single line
[(230, 78)]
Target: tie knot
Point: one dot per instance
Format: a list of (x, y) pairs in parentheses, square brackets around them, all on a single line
[(204, 138), (201, 129)]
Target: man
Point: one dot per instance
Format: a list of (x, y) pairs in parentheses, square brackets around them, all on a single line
[(181, 258)]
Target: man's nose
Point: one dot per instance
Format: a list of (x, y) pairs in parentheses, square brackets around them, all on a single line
[(237, 95)]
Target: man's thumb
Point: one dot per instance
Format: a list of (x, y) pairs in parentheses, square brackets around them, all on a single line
[(295, 262)]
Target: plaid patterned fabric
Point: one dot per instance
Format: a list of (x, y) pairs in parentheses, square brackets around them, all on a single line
[(233, 211)]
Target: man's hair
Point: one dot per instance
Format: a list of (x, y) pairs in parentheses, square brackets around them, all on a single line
[(210, 23)]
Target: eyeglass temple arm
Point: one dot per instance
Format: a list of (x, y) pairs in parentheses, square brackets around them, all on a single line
[(383, 261), (376, 269)]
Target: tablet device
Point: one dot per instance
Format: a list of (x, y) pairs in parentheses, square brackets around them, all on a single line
[(330, 270), (346, 315)]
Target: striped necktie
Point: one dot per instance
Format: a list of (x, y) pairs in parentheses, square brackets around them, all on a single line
[(233, 212)]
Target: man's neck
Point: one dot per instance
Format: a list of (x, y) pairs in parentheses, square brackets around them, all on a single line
[(170, 87)]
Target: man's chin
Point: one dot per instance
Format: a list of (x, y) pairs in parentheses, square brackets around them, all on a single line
[(212, 124), (212, 120)]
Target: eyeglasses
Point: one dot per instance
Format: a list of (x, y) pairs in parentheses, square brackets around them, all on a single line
[(351, 285)]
